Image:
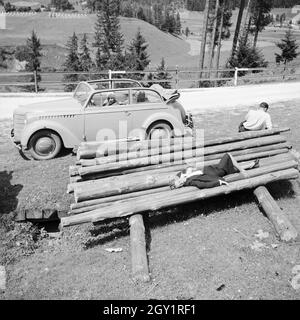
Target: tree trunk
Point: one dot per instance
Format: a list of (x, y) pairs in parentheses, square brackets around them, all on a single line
[(257, 30), (214, 30), (238, 27), (246, 23), (283, 226), (220, 40), (255, 39), (203, 41)]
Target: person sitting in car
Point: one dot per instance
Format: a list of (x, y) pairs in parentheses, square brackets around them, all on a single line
[(141, 97), (111, 100)]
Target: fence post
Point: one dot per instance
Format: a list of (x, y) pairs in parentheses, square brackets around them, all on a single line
[(236, 76), (35, 81), (176, 77), (109, 74)]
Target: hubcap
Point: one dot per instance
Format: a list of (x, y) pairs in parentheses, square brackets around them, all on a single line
[(160, 133), (44, 146)]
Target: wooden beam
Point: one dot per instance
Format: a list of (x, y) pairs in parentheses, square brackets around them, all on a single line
[(280, 221), (273, 149), (89, 150), (90, 205), (180, 156), (139, 261), (176, 197)]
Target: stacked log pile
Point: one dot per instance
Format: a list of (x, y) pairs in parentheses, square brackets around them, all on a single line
[(104, 184), (133, 178)]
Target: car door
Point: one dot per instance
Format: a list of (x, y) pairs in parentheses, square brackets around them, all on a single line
[(144, 103), (107, 122)]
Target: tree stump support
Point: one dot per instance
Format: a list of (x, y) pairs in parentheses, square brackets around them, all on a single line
[(283, 226), (296, 183), (139, 261)]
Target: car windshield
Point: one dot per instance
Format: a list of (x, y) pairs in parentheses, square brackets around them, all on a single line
[(82, 93)]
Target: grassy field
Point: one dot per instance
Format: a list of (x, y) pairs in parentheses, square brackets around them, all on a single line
[(56, 31), (195, 249)]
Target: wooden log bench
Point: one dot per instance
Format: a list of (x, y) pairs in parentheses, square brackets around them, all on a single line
[(135, 180)]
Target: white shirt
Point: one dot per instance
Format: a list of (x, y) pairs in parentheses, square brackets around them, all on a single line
[(258, 120)]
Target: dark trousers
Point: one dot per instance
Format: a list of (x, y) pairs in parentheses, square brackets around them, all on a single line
[(213, 174), (223, 168)]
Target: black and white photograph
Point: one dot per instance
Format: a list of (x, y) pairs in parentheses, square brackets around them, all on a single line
[(149, 153)]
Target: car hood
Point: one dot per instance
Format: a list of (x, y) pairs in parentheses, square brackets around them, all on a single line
[(55, 106)]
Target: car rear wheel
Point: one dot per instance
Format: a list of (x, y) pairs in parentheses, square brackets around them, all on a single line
[(159, 130), (44, 145)]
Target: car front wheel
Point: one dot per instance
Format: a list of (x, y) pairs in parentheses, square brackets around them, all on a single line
[(159, 131), (44, 145)]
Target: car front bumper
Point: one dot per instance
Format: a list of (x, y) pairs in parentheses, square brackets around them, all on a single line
[(17, 144)]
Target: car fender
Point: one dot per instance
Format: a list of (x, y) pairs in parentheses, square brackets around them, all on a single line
[(163, 116), (69, 140)]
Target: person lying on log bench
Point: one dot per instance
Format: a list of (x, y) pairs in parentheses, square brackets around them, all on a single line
[(211, 176)]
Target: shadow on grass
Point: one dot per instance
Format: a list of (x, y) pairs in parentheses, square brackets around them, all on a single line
[(8, 201), (63, 153), (8, 193), (104, 232), (109, 230)]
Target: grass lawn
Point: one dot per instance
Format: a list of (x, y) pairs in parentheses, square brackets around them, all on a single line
[(195, 249)]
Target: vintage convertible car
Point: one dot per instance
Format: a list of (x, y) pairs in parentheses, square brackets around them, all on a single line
[(98, 110)]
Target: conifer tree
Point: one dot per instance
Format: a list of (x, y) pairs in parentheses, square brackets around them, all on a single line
[(138, 49), (247, 57), (33, 51), (84, 55), (100, 43), (162, 74), (288, 47), (108, 37), (140, 14), (72, 63), (158, 15), (177, 24)]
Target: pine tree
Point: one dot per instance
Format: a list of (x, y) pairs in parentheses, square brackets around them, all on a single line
[(72, 63), (108, 38), (288, 47), (138, 49), (141, 14), (33, 51), (187, 31), (2, 58), (100, 43), (247, 57), (178, 24), (162, 74), (84, 55), (158, 15)]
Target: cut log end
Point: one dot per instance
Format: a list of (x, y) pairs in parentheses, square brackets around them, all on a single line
[(280, 221)]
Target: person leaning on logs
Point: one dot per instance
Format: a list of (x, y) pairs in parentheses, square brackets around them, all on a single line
[(257, 119), (211, 176)]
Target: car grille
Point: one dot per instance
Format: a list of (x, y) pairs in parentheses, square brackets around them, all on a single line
[(19, 123)]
